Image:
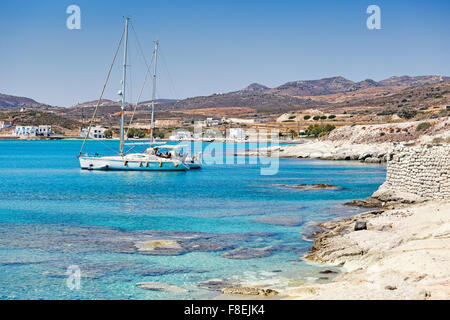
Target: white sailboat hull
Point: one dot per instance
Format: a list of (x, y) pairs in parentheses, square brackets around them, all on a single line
[(126, 163)]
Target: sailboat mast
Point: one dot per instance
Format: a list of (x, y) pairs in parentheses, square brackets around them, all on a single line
[(124, 77), (155, 58)]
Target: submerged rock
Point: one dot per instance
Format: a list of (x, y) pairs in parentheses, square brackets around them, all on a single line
[(319, 186), (249, 253), (281, 220), (160, 247), (215, 284), (328, 271), (163, 271), (160, 286), (249, 291)]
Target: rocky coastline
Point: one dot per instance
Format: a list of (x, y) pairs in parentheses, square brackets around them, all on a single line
[(401, 253), (368, 144), (400, 249)]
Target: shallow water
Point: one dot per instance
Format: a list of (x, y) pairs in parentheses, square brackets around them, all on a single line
[(53, 215)]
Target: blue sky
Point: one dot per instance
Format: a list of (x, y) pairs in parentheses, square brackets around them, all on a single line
[(215, 46)]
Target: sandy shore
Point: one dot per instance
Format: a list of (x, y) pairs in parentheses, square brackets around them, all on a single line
[(403, 254)]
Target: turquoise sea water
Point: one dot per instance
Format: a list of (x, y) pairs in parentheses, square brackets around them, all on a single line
[(53, 215)]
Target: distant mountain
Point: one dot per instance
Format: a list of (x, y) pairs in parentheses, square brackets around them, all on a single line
[(8, 102), (315, 87), (339, 84), (254, 87), (413, 81), (368, 83), (93, 104), (289, 96), (418, 98), (295, 94), (260, 101)]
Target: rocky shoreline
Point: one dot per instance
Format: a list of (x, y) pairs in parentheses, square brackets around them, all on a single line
[(330, 150), (402, 253), (401, 248), (364, 143)]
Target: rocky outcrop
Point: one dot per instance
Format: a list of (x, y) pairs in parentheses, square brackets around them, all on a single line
[(365, 143), (330, 150), (402, 254), (389, 132)]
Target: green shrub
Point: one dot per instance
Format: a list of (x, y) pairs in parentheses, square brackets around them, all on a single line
[(423, 126), (323, 117), (293, 133), (331, 116), (307, 117), (108, 134), (134, 132), (407, 113), (316, 118), (291, 117), (387, 112), (319, 130)]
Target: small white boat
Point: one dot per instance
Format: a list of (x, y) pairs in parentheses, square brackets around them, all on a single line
[(154, 158)]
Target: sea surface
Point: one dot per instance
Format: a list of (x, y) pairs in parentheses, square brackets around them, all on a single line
[(58, 222)]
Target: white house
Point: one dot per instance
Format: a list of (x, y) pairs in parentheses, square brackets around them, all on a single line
[(5, 124), (237, 133), (181, 135), (209, 122), (44, 131), (30, 131), (96, 133)]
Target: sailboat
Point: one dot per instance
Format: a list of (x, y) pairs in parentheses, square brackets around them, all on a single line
[(154, 158)]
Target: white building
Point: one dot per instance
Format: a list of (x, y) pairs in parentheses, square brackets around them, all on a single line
[(44, 131), (210, 122), (5, 124), (237, 134), (181, 135), (95, 133), (29, 131), (239, 120)]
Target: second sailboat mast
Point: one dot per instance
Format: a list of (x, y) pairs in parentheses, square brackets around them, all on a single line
[(155, 59), (122, 109)]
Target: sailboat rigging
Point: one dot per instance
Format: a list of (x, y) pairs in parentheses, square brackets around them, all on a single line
[(153, 159)]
